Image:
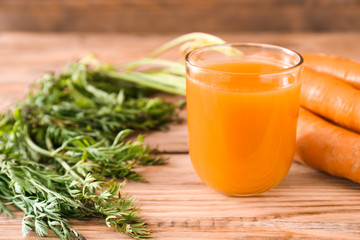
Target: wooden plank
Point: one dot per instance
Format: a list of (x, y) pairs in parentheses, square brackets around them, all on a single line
[(177, 205), (24, 57), (164, 16), (10, 93)]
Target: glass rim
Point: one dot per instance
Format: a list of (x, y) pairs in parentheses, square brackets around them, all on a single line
[(263, 45)]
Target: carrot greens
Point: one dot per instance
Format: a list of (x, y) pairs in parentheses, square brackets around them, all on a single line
[(63, 146)]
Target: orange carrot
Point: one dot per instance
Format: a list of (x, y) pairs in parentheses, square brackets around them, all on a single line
[(345, 69), (331, 98), (327, 147)]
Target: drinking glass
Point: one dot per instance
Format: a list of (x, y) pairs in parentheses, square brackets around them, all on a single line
[(242, 105)]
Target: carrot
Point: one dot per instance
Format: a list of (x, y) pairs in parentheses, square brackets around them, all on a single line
[(327, 147), (345, 69), (331, 98)]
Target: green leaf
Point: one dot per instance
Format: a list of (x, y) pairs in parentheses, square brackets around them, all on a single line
[(62, 147)]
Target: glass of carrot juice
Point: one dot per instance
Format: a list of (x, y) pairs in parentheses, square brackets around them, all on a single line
[(242, 106)]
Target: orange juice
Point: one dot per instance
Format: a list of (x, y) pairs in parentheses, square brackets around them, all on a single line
[(242, 124)]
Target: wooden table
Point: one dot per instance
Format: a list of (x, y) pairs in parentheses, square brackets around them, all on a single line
[(176, 204)]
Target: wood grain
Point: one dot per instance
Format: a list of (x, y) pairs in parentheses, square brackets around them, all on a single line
[(176, 204), (164, 16)]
